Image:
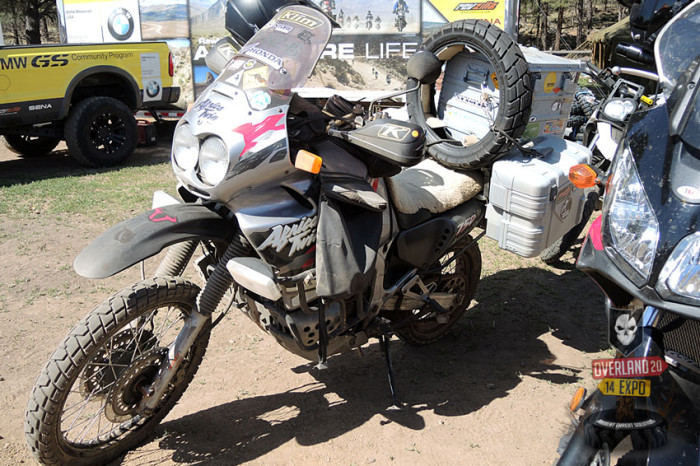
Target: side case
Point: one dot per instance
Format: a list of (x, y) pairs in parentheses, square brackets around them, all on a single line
[(532, 203)]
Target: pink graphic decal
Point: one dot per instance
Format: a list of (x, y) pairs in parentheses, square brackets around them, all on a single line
[(251, 132), (159, 216), (596, 233)]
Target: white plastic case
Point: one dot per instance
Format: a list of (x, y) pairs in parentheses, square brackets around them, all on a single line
[(532, 203), (469, 95)]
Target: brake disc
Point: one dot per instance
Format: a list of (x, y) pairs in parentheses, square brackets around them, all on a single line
[(109, 362), (126, 394)]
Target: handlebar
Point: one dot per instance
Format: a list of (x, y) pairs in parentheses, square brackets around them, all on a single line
[(635, 53), (635, 72)]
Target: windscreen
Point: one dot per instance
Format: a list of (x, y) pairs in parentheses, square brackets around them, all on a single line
[(290, 45), (678, 45)]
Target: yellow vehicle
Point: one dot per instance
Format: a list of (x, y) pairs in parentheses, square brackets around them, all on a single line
[(83, 94)]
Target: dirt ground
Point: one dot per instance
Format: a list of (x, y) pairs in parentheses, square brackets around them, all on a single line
[(493, 392)]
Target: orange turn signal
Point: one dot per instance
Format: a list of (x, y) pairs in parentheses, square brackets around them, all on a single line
[(577, 399), (308, 162), (583, 176)]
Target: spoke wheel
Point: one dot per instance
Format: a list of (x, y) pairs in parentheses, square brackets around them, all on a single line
[(459, 277), (84, 408)]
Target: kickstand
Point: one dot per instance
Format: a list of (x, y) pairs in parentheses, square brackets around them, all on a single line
[(384, 344)]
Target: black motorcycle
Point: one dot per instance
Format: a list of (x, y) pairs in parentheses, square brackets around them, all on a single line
[(644, 253)]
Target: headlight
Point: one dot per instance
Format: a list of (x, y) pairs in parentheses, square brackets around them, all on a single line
[(213, 161), (619, 109), (630, 228), (185, 148), (680, 278)]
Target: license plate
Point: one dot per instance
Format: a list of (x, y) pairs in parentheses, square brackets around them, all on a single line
[(625, 387)]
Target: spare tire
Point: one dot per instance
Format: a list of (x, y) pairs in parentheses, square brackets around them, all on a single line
[(512, 83)]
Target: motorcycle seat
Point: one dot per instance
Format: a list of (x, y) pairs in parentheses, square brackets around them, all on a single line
[(429, 188)]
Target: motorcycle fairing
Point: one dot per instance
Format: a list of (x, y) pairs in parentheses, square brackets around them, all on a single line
[(617, 287), (141, 237)]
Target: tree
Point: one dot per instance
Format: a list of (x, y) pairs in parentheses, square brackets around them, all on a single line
[(560, 23), (23, 21), (36, 12)]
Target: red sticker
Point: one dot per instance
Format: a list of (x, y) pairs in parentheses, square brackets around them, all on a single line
[(159, 216), (618, 368)]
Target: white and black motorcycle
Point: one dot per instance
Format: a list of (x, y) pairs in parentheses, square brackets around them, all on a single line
[(303, 222)]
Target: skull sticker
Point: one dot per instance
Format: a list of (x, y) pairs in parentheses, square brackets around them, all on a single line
[(624, 330)]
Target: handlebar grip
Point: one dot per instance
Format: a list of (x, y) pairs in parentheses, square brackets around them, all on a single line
[(635, 53)]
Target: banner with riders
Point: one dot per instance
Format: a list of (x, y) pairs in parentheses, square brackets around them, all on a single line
[(368, 50)]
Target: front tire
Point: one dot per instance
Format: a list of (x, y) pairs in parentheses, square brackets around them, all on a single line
[(84, 406), (554, 253), (101, 132), (460, 277), (30, 146)]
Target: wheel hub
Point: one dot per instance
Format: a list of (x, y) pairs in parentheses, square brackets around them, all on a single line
[(123, 400), (106, 366)]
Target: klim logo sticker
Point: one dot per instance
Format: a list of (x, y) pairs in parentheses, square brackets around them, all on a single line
[(308, 21)]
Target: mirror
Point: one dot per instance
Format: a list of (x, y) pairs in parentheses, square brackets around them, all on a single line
[(222, 53), (424, 67)]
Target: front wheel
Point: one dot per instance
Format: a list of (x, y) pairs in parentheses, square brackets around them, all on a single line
[(84, 408), (459, 277)]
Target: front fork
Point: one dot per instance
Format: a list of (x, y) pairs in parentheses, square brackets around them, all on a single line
[(663, 427), (209, 298), (189, 333)]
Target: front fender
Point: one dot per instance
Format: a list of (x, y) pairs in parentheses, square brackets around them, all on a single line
[(139, 238)]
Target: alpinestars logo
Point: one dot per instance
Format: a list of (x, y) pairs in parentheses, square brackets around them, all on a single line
[(301, 235), (481, 6)]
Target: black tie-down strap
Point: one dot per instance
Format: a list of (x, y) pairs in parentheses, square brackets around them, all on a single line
[(347, 236), (347, 239)]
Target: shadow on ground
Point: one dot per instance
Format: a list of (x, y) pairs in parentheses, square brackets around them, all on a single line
[(480, 360)]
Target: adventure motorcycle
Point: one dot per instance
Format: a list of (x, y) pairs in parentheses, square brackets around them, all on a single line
[(327, 6), (644, 253), (400, 12), (321, 252)]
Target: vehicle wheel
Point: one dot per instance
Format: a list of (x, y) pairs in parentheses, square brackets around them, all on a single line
[(460, 277), (554, 252), (100, 132), (30, 146), (514, 91), (84, 406)]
